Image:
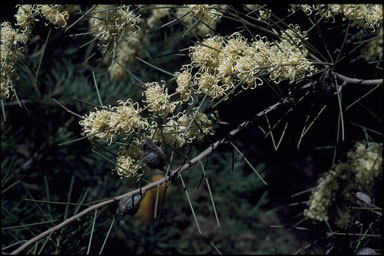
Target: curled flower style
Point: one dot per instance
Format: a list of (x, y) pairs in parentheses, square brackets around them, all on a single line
[(127, 119), (252, 57), (289, 57), (209, 84), (306, 8), (184, 83), (205, 56), (264, 14), (233, 60), (158, 100), (25, 17), (97, 125), (118, 25), (106, 124), (13, 39), (247, 69), (200, 125), (57, 14), (230, 53), (171, 133)]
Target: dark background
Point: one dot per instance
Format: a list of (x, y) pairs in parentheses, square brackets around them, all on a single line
[(32, 161)]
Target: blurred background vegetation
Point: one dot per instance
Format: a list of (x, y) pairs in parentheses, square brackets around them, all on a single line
[(35, 168)]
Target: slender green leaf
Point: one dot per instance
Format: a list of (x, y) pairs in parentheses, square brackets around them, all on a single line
[(190, 203)]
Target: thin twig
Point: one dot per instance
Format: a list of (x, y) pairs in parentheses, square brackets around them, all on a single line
[(355, 81)]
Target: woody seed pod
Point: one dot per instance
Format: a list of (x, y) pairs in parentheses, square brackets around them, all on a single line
[(129, 205), (153, 155)]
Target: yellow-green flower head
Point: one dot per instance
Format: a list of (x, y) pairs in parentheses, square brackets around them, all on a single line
[(25, 16), (205, 56), (97, 125), (184, 83), (205, 12), (57, 14), (322, 197), (126, 119), (158, 100), (122, 120), (10, 52), (209, 84), (230, 53), (201, 18), (174, 131), (360, 172), (111, 22), (290, 56)]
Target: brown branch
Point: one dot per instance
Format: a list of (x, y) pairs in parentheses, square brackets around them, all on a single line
[(356, 81)]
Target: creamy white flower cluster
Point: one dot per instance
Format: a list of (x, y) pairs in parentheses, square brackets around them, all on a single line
[(175, 131), (206, 15), (117, 27), (126, 120), (107, 124), (11, 51), (365, 15), (323, 196), (123, 28), (360, 172), (184, 83), (200, 19), (13, 39), (111, 23), (222, 63), (57, 14), (128, 160), (158, 100), (366, 164)]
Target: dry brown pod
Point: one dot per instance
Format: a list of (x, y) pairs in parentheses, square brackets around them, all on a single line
[(154, 156), (129, 205)]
